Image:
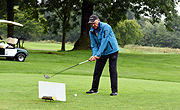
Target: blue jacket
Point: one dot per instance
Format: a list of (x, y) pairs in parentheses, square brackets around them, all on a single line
[(105, 43)]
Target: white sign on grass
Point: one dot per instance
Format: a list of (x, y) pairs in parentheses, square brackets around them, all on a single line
[(57, 90)]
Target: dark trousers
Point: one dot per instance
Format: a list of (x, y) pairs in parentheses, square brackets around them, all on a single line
[(100, 63)]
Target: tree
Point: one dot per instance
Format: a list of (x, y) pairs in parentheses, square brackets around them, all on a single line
[(110, 11), (64, 10), (149, 35), (161, 35), (175, 23), (130, 15), (127, 32), (173, 41), (31, 28), (10, 17), (84, 42), (105, 10), (113, 11), (8, 8), (157, 35)]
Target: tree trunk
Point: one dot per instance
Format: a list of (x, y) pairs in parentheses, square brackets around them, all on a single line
[(10, 17), (84, 42), (63, 41), (64, 30)]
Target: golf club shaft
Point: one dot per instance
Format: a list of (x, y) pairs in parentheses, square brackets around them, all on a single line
[(70, 67)]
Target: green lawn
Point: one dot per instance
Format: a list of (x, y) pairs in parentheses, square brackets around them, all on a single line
[(46, 46), (145, 81), (20, 91)]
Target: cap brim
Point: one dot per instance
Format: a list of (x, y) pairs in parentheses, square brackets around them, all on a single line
[(91, 22)]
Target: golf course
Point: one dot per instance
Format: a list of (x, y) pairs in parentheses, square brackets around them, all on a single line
[(146, 80)]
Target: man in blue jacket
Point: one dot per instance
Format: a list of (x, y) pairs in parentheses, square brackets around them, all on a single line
[(104, 46)]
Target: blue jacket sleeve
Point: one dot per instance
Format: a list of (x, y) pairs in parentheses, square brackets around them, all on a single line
[(93, 44), (104, 41)]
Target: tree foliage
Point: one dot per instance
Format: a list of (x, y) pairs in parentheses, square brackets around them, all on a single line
[(157, 35), (3, 9), (113, 11), (61, 10), (31, 29), (155, 9), (110, 11), (127, 32)]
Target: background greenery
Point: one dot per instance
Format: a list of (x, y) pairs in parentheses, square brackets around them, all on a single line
[(148, 35), (59, 17)]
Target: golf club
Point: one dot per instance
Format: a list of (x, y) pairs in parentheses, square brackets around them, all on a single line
[(47, 77)]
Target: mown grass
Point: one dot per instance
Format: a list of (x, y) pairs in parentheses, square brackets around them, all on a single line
[(46, 45), (164, 67), (146, 81), (20, 91)]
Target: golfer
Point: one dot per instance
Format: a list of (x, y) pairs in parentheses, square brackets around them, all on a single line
[(104, 46)]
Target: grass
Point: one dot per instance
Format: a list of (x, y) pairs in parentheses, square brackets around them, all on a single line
[(46, 46), (145, 81), (148, 49), (22, 93), (140, 66)]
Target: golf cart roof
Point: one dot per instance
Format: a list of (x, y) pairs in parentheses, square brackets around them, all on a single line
[(11, 23)]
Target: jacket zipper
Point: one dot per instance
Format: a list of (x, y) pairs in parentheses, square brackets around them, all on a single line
[(110, 44)]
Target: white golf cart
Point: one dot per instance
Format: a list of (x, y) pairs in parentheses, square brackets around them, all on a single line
[(8, 49)]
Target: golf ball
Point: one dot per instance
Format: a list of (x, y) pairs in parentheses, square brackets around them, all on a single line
[(75, 95)]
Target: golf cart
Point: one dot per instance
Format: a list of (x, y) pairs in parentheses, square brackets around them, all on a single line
[(8, 49)]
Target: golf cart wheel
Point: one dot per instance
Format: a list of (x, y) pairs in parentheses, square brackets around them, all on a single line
[(20, 57)]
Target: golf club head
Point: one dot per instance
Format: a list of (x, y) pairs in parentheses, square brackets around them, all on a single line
[(46, 76)]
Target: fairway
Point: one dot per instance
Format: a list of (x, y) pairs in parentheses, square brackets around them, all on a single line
[(46, 46), (22, 93), (145, 81)]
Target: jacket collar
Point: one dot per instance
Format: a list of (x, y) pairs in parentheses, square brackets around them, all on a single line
[(99, 27)]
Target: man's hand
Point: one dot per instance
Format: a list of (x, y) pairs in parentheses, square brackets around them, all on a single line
[(97, 57), (93, 58)]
